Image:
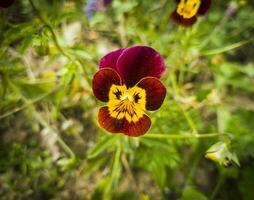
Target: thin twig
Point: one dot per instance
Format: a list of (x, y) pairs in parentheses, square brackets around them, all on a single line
[(30, 102), (48, 26), (182, 136)]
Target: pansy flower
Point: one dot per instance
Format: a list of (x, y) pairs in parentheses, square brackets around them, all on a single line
[(187, 11), (6, 3), (128, 81)]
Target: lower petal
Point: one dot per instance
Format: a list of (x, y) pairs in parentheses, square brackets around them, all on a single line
[(114, 125), (138, 128), (183, 21)]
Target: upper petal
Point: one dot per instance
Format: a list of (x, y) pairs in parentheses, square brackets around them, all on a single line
[(183, 21), (110, 59), (114, 125), (204, 6), (138, 62), (102, 81), (155, 92)]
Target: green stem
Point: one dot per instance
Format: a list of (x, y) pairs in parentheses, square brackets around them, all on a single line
[(194, 164), (218, 186), (176, 93), (55, 40), (214, 32), (30, 102), (174, 83), (115, 172), (182, 136), (189, 120), (42, 121), (122, 32), (48, 26)]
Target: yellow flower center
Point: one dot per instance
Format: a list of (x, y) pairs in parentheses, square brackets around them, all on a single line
[(188, 8), (126, 103)]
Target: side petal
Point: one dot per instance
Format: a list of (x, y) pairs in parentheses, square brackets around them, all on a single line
[(205, 5), (155, 92), (102, 81), (114, 125), (183, 21), (138, 62), (110, 59)]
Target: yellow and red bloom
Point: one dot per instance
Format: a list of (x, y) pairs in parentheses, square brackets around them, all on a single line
[(6, 3), (128, 80), (187, 11)]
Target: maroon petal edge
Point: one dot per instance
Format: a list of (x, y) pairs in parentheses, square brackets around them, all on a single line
[(205, 5), (138, 62), (110, 60), (114, 125), (138, 128), (102, 81), (6, 3), (155, 92), (183, 21)]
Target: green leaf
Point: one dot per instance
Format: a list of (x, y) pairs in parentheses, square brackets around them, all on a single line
[(192, 194), (116, 168), (91, 166), (103, 145), (226, 48), (19, 31), (223, 118)]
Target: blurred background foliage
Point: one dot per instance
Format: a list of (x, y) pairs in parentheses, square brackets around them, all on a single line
[(50, 144)]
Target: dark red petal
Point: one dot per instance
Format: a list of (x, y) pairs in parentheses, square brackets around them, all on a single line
[(138, 128), (138, 62), (205, 5), (6, 3), (114, 125), (183, 21), (102, 81), (110, 59), (109, 123), (107, 2), (155, 92)]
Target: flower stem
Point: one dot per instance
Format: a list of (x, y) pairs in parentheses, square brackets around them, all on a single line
[(218, 186), (181, 136), (189, 120), (30, 102), (38, 116), (48, 26)]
